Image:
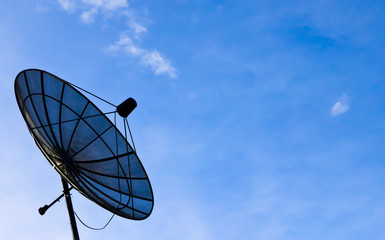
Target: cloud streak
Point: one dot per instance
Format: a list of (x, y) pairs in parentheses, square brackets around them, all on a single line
[(129, 41), (341, 106), (153, 59), (159, 64)]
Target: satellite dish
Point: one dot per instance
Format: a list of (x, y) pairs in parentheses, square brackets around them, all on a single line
[(84, 146)]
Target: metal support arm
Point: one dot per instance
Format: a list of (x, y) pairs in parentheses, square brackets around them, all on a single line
[(71, 214), (43, 209)]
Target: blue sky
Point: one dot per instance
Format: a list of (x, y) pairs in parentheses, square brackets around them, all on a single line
[(255, 119)]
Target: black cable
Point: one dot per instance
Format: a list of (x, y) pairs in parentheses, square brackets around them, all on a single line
[(91, 94), (117, 159), (129, 130), (125, 122), (101, 228), (93, 228), (129, 169)]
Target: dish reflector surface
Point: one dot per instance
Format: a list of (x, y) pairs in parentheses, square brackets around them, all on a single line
[(83, 145)]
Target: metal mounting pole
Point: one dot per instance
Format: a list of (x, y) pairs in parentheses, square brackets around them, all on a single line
[(71, 214)]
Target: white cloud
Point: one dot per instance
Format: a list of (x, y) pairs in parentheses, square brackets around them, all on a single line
[(153, 59), (159, 64), (128, 42), (91, 7), (89, 16), (114, 4), (67, 5), (110, 5), (95, 3), (137, 29), (341, 106)]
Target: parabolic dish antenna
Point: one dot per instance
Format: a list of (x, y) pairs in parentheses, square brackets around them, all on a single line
[(84, 146)]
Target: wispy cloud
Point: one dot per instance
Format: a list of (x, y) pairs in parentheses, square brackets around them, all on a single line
[(159, 64), (129, 41), (153, 59), (88, 16), (126, 44), (88, 9), (341, 106), (94, 6), (137, 29), (107, 4), (67, 5)]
